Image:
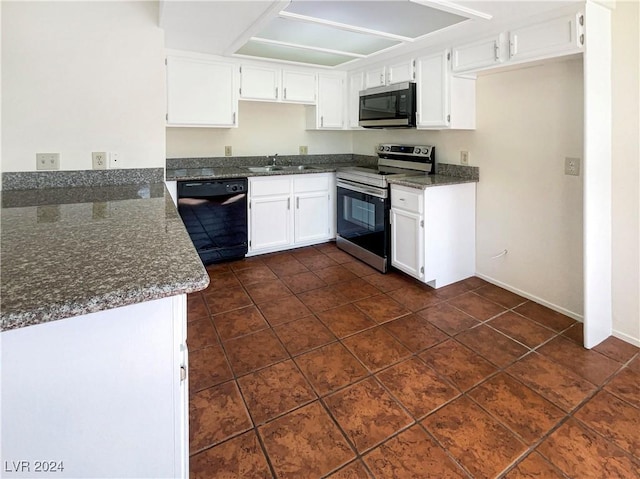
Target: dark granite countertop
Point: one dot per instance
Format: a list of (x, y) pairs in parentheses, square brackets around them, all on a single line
[(181, 174), (426, 181), (72, 251), (194, 169)]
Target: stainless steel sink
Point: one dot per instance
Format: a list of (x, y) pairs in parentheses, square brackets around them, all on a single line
[(268, 168), (264, 169), (300, 167)]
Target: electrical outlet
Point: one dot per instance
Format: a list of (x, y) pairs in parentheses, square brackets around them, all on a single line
[(572, 166), (304, 150), (47, 161), (228, 151), (464, 157), (115, 159), (99, 159)]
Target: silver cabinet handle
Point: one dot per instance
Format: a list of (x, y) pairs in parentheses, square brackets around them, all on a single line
[(288, 203), (183, 373), (298, 202), (234, 118), (496, 51), (322, 121), (276, 93), (285, 94)]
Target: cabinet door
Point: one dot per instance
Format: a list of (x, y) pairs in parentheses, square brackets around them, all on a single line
[(401, 72), (269, 222), (477, 55), (543, 40), (356, 83), (311, 217), (407, 242), (298, 86), (259, 83), (330, 109), (374, 77), (200, 93), (433, 83), (127, 385)]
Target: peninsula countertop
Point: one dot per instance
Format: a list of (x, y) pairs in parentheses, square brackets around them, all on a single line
[(72, 251)]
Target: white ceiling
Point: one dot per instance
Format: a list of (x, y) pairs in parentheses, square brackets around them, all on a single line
[(342, 34)]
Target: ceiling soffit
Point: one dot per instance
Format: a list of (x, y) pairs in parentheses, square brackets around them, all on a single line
[(331, 33)]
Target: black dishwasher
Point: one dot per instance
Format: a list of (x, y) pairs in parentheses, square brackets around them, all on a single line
[(215, 215)]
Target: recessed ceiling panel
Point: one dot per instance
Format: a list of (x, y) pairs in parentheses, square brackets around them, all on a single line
[(300, 55), (322, 36), (402, 17)]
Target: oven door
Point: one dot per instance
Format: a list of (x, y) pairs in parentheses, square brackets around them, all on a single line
[(363, 219)]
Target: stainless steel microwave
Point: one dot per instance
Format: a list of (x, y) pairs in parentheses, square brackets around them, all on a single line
[(392, 106)]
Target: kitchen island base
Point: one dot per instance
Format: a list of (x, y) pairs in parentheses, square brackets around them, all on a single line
[(98, 395)]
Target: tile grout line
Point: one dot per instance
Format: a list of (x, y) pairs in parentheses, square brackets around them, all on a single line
[(319, 397)]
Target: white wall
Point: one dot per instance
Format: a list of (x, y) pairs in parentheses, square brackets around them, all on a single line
[(626, 171), (263, 129), (528, 120), (79, 77)]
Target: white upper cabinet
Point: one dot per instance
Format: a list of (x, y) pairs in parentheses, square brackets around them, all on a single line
[(375, 77), (200, 92), (298, 86), (328, 114), (443, 101), (476, 55), (259, 83), (264, 83), (559, 36), (388, 74), (401, 72), (356, 83)]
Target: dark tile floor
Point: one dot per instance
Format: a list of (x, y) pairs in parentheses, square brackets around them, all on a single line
[(310, 364)]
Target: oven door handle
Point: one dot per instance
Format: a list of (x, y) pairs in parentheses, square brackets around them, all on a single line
[(348, 185)]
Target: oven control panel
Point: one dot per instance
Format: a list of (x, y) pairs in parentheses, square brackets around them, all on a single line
[(407, 152)]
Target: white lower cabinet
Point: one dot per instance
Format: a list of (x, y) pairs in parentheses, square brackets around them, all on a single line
[(290, 211), (269, 214), (433, 232), (407, 241), (82, 395)]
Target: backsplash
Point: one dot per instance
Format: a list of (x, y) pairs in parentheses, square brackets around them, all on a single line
[(28, 180), (459, 171)]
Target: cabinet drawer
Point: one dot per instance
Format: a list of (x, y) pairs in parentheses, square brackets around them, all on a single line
[(259, 187), (312, 182), (406, 199)]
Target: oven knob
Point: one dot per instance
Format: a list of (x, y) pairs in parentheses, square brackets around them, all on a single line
[(234, 188), (417, 150), (381, 148), (387, 148)]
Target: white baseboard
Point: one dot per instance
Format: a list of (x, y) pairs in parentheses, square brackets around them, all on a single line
[(626, 338), (524, 294)]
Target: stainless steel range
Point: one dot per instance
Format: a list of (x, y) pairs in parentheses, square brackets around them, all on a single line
[(364, 203)]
